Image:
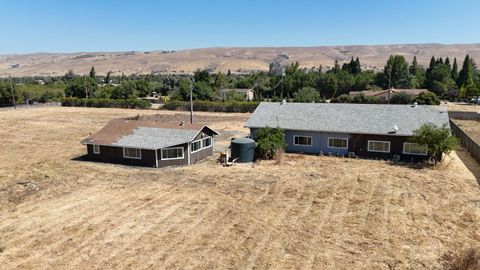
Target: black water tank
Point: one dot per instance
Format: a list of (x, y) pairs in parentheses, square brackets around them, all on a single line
[(243, 149)]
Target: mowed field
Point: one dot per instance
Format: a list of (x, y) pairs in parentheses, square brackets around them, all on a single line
[(307, 212)]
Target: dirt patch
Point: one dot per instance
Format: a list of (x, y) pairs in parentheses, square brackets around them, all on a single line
[(307, 212)]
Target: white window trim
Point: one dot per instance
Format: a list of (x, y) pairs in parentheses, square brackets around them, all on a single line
[(201, 145), (308, 145), (336, 138), (368, 146), (125, 156), (98, 148), (408, 153), (182, 157), (211, 142)]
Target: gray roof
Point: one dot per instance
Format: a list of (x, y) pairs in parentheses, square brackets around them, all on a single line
[(156, 138), (238, 90), (347, 118)]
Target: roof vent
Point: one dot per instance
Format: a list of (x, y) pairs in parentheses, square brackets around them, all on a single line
[(284, 101), (414, 104), (395, 128)]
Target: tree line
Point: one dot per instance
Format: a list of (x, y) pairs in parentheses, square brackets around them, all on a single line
[(442, 76)]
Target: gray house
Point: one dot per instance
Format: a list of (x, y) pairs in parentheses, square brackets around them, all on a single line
[(368, 130), (150, 143)]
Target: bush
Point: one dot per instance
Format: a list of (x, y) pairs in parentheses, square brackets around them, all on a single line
[(401, 98), (468, 259), (307, 94), (270, 142), (438, 140), (212, 106), (427, 98), (106, 103)]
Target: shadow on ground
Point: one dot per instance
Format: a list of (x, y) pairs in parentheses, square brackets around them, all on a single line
[(471, 164)]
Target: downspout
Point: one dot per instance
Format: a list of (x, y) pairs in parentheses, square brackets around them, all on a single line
[(156, 158), (188, 152)]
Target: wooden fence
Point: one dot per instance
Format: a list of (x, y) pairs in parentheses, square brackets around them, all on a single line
[(464, 115), (472, 147)]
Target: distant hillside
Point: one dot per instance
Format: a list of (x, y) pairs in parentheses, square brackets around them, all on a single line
[(223, 59)]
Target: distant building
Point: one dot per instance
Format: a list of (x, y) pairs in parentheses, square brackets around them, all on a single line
[(249, 94), (150, 143), (385, 95), (41, 82)]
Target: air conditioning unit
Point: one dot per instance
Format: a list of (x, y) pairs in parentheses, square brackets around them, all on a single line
[(351, 154), (396, 158)]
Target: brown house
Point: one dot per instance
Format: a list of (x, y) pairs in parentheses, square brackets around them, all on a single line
[(385, 95), (150, 143)]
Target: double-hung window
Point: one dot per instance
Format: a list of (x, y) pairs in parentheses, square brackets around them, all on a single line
[(207, 142), (134, 153), (414, 149), (379, 146), (341, 143), (172, 153), (302, 140)]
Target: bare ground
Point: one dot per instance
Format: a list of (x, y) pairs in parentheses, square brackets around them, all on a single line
[(308, 213)]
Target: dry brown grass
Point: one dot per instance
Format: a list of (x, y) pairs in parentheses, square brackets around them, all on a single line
[(306, 213), (471, 127), (467, 259)]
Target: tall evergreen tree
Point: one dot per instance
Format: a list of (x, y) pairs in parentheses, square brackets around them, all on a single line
[(465, 77), (417, 74), (92, 73), (396, 71), (455, 70), (447, 61)]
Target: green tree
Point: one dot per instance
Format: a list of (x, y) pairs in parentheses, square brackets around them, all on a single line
[(143, 88), (107, 78), (6, 93), (401, 98), (234, 96), (125, 90), (202, 75), (417, 74), (466, 75), (92, 73), (269, 142), (342, 99), (396, 71), (427, 98), (81, 87), (438, 140), (454, 70), (440, 80), (203, 91), (307, 94)]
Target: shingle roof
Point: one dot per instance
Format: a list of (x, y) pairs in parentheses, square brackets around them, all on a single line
[(146, 134), (347, 118), (373, 93)]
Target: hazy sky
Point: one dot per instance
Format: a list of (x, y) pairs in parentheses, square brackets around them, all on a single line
[(103, 25)]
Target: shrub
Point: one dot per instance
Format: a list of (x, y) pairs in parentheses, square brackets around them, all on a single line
[(212, 106), (307, 94), (427, 98), (106, 103), (344, 99), (270, 142), (438, 140), (468, 259), (401, 98)]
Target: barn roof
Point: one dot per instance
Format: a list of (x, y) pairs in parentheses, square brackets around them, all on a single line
[(347, 118), (145, 134)]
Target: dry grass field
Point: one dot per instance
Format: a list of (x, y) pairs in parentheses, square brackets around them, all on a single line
[(306, 213)]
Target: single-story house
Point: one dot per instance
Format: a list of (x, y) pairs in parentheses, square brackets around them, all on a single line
[(150, 143), (385, 95), (249, 94), (366, 130)]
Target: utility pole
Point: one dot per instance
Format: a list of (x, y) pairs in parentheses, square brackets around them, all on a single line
[(13, 94), (191, 103)]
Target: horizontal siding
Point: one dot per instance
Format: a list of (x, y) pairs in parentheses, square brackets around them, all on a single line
[(114, 154)]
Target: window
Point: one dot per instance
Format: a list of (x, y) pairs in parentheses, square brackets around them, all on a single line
[(379, 146), (172, 153), (338, 143), (132, 153), (302, 140), (96, 149), (207, 142), (414, 149), (196, 146)]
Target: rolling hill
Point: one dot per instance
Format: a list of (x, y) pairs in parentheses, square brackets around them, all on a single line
[(238, 60)]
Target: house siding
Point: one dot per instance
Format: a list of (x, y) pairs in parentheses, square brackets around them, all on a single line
[(113, 154), (357, 143), (173, 162)]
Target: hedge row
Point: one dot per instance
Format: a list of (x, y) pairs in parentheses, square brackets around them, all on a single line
[(106, 103), (212, 106)]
